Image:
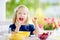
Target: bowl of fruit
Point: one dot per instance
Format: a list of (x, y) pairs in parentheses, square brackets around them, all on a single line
[(43, 36)]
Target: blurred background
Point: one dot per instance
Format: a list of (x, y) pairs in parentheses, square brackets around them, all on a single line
[(39, 8), (45, 10), (49, 7)]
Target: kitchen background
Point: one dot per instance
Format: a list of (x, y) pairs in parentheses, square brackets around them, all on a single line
[(42, 8)]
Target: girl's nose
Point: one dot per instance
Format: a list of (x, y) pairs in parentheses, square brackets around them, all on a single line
[(22, 15)]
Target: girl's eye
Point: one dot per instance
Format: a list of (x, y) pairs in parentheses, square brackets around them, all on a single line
[(24, 13), (19, 13)]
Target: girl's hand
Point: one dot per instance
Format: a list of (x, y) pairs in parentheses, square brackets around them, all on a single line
[(34, 20), (36, 32)]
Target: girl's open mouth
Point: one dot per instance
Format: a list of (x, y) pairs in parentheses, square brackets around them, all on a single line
[(21, 19)]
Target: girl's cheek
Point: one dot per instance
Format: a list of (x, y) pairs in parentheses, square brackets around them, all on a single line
[(25, 18), (17, 17)]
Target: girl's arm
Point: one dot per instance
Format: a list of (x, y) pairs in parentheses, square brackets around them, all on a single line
[(37, 31)]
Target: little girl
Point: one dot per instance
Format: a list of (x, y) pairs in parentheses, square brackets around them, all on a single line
[(20, 21)]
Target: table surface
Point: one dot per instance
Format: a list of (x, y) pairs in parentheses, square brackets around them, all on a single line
[(54, 36)]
